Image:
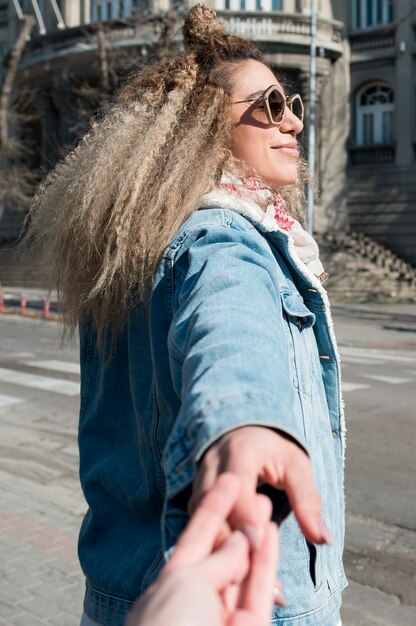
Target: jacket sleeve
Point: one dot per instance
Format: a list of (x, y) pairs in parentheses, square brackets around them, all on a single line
[(228, 345)]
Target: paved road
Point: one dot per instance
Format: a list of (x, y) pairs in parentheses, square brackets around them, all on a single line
[(41, 504)]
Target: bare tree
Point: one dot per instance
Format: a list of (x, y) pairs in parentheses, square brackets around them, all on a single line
[(10, 77), (114, 63), (16, 179)]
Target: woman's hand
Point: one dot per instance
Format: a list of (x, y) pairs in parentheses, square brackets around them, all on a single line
[(261, 455), (228, 586)]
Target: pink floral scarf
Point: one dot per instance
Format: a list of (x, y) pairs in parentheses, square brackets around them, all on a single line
[(251, 198)]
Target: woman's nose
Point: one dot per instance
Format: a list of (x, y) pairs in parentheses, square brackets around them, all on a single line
[(291, 123)]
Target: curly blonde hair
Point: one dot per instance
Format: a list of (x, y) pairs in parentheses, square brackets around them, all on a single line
[(106, 213)]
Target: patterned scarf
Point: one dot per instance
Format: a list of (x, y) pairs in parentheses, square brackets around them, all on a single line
[(251, 198)]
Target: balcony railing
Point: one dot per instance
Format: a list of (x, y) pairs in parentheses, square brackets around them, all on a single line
[(285, 28), (383, 37), (372, 155), (75, 41)]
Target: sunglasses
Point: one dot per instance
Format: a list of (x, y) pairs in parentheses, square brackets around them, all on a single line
[(275, 102)]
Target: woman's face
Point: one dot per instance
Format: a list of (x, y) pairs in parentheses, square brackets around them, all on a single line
[(270, 150)]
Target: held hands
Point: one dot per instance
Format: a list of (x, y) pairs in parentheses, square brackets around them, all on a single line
[(228, 586), (261, 455)]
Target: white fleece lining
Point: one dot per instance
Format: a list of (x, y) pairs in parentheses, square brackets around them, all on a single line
[(220, 198)]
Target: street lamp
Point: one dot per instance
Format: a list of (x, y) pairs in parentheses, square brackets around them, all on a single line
[(311, 138)]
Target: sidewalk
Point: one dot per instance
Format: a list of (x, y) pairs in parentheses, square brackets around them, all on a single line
[(41, 504), (390, 326)]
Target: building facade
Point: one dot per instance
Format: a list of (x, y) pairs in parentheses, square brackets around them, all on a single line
[(366, 87), (381, 197)]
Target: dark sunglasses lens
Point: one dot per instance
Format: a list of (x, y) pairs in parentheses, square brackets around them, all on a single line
[(277, 105), (297, 108)]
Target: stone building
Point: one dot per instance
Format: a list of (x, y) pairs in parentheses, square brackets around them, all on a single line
[(366, 128), (381, 171)]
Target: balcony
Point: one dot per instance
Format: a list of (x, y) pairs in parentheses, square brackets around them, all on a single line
[(282, 28), (372, 155), (80, 40), (373, 43)]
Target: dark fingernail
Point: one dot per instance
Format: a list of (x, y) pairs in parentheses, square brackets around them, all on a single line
[(326, 535), (252, 535), (278, 597)]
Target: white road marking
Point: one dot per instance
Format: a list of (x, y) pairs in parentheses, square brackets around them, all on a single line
[(360, 360), (8, 400), (68, 367), (375, 353), (46, 383), (353, 386), (391, 380)]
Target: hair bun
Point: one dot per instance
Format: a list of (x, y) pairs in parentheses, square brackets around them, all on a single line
[(202, 28)]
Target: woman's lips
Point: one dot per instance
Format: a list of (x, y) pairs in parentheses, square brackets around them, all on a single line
[(291, 151)]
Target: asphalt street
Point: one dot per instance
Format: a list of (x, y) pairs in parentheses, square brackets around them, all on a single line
[(41, 504)]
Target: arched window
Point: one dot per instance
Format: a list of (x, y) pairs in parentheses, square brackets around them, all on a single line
[(368, 13), (375, 115)]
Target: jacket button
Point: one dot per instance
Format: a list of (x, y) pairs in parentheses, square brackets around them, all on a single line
[(334, 434)]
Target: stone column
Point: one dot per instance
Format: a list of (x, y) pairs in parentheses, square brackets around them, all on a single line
[(71, 12), (334, 154), (404, 94), (86, 12), (289, 6), (320, 84)]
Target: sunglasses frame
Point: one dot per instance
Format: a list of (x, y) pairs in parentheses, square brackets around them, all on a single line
[(287, 101)]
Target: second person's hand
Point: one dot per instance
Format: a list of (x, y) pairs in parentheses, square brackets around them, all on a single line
[(196, 585)]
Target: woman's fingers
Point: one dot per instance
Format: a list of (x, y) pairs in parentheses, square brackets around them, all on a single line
[(229, 565), (200, 536), (257, 598), (300, 487), (242, 618)]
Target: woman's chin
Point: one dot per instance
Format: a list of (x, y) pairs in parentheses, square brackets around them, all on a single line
[(281, 181)]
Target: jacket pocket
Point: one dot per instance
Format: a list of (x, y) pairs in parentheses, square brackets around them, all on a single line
[(314, 557), (301, 339)]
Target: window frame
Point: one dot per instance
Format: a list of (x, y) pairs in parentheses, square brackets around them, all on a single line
[(119, 9), (377, 115), (360, 14)]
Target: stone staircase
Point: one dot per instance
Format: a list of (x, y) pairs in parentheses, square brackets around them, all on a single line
[(381, 203), (362, 270)]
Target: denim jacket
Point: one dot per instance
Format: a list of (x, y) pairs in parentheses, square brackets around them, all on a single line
[(236, 332)]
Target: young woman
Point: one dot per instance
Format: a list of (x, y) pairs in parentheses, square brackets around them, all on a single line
[(206, 341)]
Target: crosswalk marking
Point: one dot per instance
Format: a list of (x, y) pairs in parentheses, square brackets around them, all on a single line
[(360, 360), (351, 351), (8, 400), (35, 381), (391, 380), (349, 354), (353, 386), (69, 367)]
